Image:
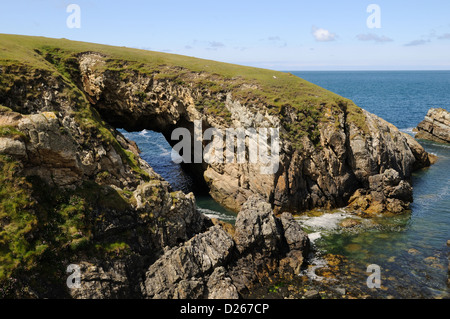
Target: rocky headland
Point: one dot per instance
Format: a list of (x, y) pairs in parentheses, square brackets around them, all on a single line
[(435, 126), (75, 191)]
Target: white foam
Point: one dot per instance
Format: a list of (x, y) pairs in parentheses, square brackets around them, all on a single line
[(409, 130), (328, 221), (214, 214), (314, 236), (144, 133), (315, 263)]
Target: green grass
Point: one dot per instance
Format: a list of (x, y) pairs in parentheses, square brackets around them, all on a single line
[(12, 132), (42, 226), (277, 91), (18, 221), (4, 109)]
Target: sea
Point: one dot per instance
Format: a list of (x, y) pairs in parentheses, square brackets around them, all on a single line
[(407, 254)]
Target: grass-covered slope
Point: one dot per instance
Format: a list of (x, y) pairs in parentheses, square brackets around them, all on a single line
[(281, 93), (42, 225)]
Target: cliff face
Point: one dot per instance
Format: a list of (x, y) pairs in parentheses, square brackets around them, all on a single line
[(435, 126), (75, 191), (217, 264), (350, 146)]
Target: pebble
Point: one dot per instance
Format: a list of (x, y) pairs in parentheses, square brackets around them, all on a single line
[(350, 223), (413, 252), (353, 247), (430, 260), (341, 291), (312, 294), (392, 259), (437, 266)]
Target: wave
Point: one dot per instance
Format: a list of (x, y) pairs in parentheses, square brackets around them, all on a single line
[(408, 130), (217, 215), (144, 133), (327, 221)]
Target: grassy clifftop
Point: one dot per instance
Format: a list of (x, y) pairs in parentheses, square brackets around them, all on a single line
[(299, 104)]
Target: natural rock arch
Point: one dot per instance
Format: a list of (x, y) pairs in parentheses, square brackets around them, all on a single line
[(323, 175)]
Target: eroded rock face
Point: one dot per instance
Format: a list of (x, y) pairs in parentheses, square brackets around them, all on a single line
[(137, 211), (182, 271), (321, 174), (62, 140), (435, 126), (266, 245), (103, 280), (216, 265), (387, 193)]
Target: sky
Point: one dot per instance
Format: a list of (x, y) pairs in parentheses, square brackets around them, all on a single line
[(286, 35)]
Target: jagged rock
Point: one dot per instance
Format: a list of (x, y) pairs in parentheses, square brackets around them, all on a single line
[(267, 245), (66, 138), (182, 270), (215, 265), (12, 147), (295, 237), (349, 223), (257, 226), (102, 282), (435, 126), (424, 159), (220, 286), (387, 193), (350, 151)]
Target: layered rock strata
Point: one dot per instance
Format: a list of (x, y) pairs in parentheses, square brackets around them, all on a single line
[(324, 173), (435, 126), (216, 264)]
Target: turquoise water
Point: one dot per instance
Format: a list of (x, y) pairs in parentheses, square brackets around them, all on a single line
[(410, 249), (157, 152)]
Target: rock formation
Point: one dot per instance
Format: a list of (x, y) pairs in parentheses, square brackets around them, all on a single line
[(435, 126), (75, 191), (215, 264), (350, 147)]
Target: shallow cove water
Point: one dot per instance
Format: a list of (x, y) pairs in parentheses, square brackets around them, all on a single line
[(157, 152), (410, 249)]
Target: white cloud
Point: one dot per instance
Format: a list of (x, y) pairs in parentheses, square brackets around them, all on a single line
[(216, 44), (373, 37), (275, 41), (323, 35), (416, 43), (445, 36)]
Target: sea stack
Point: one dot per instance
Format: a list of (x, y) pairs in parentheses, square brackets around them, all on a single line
[(435, 126)]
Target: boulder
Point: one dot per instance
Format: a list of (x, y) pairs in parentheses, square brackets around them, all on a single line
[(387, 192), (215, 265), (183, 271)]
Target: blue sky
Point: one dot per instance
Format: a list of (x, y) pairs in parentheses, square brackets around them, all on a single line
[(280, 35)]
